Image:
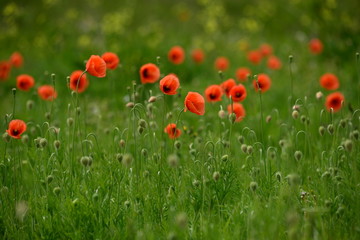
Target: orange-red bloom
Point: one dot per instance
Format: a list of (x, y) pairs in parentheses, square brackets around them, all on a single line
[(228, 85), (213, 93), (242, 74), (238, 109), (315, 46), (25, 82), (274, 63), (222, 63), (5, 68), (334, 101), (149, 73), (329, 81), (78, 84), (197, 56), (47, 93), (264, 83), (96, 66), (16, 128), (176, 55), (16, 59), (111, 60), (238, 93), (195, 103), (172, 131), (266, 49), (169, 84), (254, 57)]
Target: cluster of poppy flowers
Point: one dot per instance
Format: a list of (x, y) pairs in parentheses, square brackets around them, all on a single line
[(330, 82), (16, 60)]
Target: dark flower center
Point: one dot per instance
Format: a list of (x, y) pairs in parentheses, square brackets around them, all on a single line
[(146, 73), (15, 132), (238, 94), (166, 88), (212, 96)]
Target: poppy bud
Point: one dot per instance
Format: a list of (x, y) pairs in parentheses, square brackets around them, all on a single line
[(326, 175), (244, 147), (173, 160), (348, 145), (95, 197), (122, 143), (321, 130), (342, 123), (144, 152), (70, 121), (152, 99), (278, 176), (4, 190), (319, 95), (303, 118), (85, 161), (119, 157), (127, 204), (330, 129), (249, 149), (43, 142), (222, 114), (225, 158), (140, 130), (169, 115), (56, 190), (298, 155), (295, 114), (268, 119), (241, 139), (181, 220), (49, 179), (293, 179), (177, 144), (57, 144), (76, 202), (232, 117), (78, 110), (153, 125), (282, 143), (216, 176), (196, 183), (253, 186), (355, 134), (29, 104), (130, 105), (6, 137), (142, 123), (127, 159)]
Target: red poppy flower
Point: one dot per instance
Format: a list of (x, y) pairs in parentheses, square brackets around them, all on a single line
[(78, 84), (176, 55), (329, 81), (169, 84), (242, 74), (111, 60), (334, 101), (96, 66), (16, 128), (213, 93), (266, 49), (16, 59), (264, 82), (149, 73), (195, 103), (25, 82), (228, 85), (172, 131), (197, 55), (274, 63), (238, 93), (254, 57), (222, 63), (5, 68), (47, 93), (315, 46), (239, 111)]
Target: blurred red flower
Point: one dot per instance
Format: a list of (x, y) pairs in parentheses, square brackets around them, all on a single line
[(5, 68), (24, 82), (111, 60), (47, 92), (238, 93), (198, 55), (222, 63), (315, 46), (195, 103), (238, 109), (266, 50), (264, 83), (149, 73), (172, 131), (96, 66), (254, 57), (78, 84), (329, 81), (228, 85), (335, 101), (242, 74), (16, 128), (213, 93), (176, 55), (274, 63), (16, 59)]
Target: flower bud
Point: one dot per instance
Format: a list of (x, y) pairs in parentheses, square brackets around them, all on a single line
[(216, 176), (241, 139), (249, 149), (70, 121), (348, 145), (253, 186), (225, 158), (321, 130), (152, 99), (43, 142), (122, 143), (298, 155), (330, 129), (232, 117), (222, 114), (127, 159), (142, 123), (130, 105), (30, 104), (56, 190), (319, 95), (244, 148), (57, 144)]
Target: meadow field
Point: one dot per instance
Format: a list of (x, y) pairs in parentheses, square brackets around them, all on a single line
[(201, 119)]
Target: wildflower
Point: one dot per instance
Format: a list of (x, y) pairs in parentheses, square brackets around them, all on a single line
[(16, 128), (222, 63), (149, 73), (96, 66), (195, 103), (197, 56), (228, 85), (315, 46), (172, 131), (238, 93), (274, 63), (16, 60), (176, 55), (263, 83), (5, 68), (334, 101), (24, 82), (329, 81), (76, 83), (238, 109), (254, 57), (111, 60), (266, 50), (242, 74), (169, 84), (213, 93), (47, 92)]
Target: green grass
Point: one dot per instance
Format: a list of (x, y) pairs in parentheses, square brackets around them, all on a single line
[(218, 180)]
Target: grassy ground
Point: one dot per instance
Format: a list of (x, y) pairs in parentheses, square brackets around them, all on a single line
[(274, 175)]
